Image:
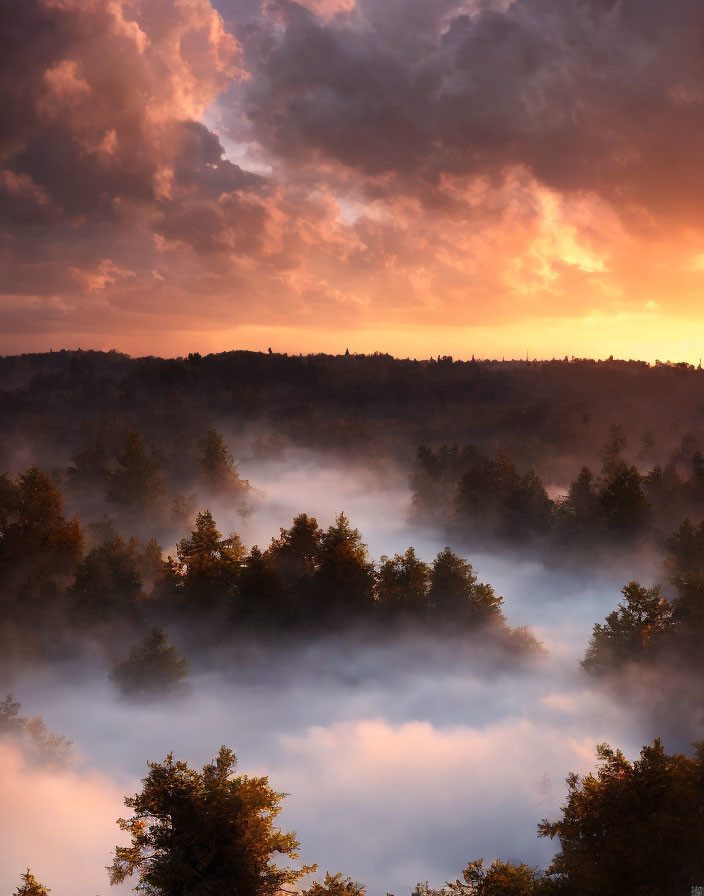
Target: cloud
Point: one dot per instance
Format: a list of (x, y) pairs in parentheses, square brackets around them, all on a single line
[(351, 166), (404, 757), (62, 824), (588, 96)]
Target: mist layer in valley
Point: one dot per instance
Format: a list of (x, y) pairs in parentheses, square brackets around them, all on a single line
[(405, 754)]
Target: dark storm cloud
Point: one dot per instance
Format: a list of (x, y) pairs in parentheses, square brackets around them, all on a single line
[(599, 96), (101, 109)]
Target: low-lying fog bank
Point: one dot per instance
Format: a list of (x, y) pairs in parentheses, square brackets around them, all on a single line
[(403, 757)]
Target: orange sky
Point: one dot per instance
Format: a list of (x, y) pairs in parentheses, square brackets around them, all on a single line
[(449, 177)]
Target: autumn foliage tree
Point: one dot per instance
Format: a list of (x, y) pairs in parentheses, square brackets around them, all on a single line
[(204, 833)]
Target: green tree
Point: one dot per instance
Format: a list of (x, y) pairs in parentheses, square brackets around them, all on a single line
[(611, 451), (39, 549), (402, 584), (623, 502), (208, 563), (91, 467), (336, 885), (345, 574), (34, 533), (629, 632), (204, 833), (295, 552), (108, 585), (486, 488), (528, 510), (30, 886), (635, 828), (295, 556), (217, 466), (688, 616), (686, 551), (455, 594), (150, 564), (500, 879), (261, 596), (136, 482), (579, 516), (154, 667)]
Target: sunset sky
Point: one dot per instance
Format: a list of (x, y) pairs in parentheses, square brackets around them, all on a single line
[(420, 177)]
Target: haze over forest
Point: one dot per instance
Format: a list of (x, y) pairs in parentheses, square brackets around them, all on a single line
[(376, 579), (351, 434)]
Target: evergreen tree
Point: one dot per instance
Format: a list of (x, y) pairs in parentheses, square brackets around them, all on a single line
[(345, 575), (34, 534), (39, 549), (108, 586), (635, 828), (217, 466), (630, 631), (205, 833), (209, 564), (624, 506), (688, 618), (579, 516), (336, 885), (30, 886), (150, 564), (611, 451), (295, 553), (456, 595), (500, 879), (152, 669), (136, 482), (528, 509), (686, 551), (91, 467), (402, 584)]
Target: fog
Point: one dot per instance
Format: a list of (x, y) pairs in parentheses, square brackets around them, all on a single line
[(404, 758)]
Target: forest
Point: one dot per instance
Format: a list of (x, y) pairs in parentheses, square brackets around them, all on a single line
[(342, 547)]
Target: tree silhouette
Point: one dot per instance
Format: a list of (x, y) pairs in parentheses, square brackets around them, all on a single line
[(153, 667), (635, 828), (217, 466)]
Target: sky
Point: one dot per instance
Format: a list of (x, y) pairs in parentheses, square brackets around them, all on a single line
[(414, 176)]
